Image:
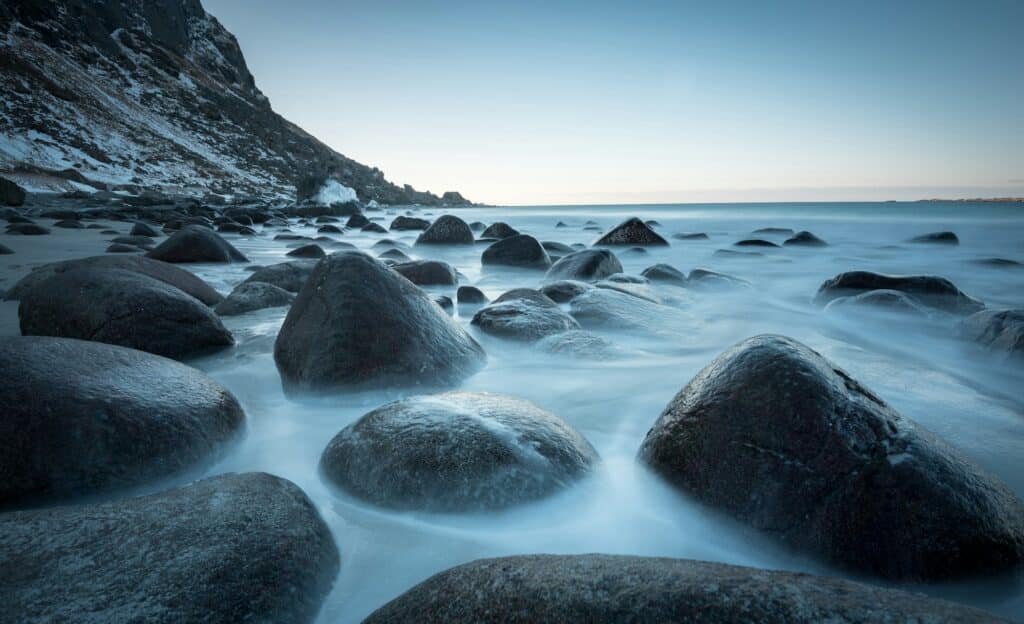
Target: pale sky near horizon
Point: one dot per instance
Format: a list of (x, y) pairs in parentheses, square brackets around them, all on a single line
[(646, 102)]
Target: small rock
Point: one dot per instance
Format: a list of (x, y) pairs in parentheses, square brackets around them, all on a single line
[(447, 230), (307, 251), (195, 243), (937, 238), (428, 272), (499, 230), (517, 250), (251, 296), (632, 231), (586, 265), (805, 239)]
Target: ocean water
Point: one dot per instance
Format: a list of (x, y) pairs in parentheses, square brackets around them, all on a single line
[(968, 397)]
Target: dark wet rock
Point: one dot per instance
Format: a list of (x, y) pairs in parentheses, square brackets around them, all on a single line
[(235, 228), (289, 276), (27, 229), (641, 290), (615, 308), (564, 291), (135, 241), (5, 250), (534, 296), (403, 223), (892, 301), (561, 224), (376, 228), (122, 308), (804, 239), (730, 253), (69, 224), (13, 217), (632, 231), (637, 251), (195, 243), (578, 343), (999, 263), (122, 248), (997, 330), (665, 273), (470, 295), (929, 290), (10, 193), (141, 229), (455, 452), (477, 226), (586, 265), (81, 418), (397, 255), (707, 279), (233, 548), (447, 230), (519, 250), (591, 228), (690, 236), (326, 219), (556, 250), (937, 238), (754, 242), (783, 440), (499, 230), (358, 220), (428, 272), (522, 318), (611, 589), (446, 303), (351, 297), (251, 296), (291, 237), (388, 243), (167, 273), (307, 251), (774, 230), (329, 229)]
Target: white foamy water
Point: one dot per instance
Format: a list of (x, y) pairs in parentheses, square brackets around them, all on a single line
[(920, 368)]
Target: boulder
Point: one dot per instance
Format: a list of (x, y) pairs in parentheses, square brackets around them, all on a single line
[(329, 229), (83, 418), (397, 255), (10, 193), (5, 250), (523, 319), (611, 589), (122, 308), (357, 220), (167, 273), (1001, 331), (781, 439), (311, 250), (587, 265), (891, 301), (428, 272), (251, 296), (937, 238), (929, 290), (134, 241), (564, 291), (470, 295), (690, 236), (754, 242), (632, 231), (357, 323), (518, 250), (578, 343), (447, 230), (375, 228), (27, 229), (69, 224), (556, 250), (708, 279), (195, 243), (233, 548), (403, 223), (446, 304), (478, 226), (122, 248), (534, 296), (289, 276), (457, 452), (499, 230), (775, 231), (804, 239), (665, 273)]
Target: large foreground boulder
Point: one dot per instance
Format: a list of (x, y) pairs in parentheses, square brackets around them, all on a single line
[(632, 231), (252, 296), (122, 308), (358, 323), (929, 290), (517, 250), (611, 589), (586, 265), (778, 437), (1001, 331), (447, 230), (81, 418), (234, 548), (195, 243), (457, 451)]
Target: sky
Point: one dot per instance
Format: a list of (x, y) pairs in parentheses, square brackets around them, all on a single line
[(651, 102)]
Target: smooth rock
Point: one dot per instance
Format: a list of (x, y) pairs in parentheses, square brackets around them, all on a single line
[(195, 243), (289, 276), (1001, 331), (929, 290), (307, 251), (518, 250), (428, 272), (499, 230), (251, 296), (632, 231), (587, 265), (447, 230)]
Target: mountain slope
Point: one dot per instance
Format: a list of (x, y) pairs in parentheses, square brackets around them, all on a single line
[(154, 94)]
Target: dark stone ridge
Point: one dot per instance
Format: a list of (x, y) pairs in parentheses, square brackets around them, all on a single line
[(195, 243), (167, 273), (122, 248), (632, 231), (499, 230), (470, 295), (754, 242), (691, 236), (122, 308), (82, 418), (929, 290), (428, 272), (997, 330), (564, 291), (999, 263), (457, 451), (518, 250), (10, 193), (937, 238), (251, 296), (376, 228), (665, 273), (522, 318), (586, 265), (774, 230), (290, 276), (69, 224), (233, 548), (357, 323), (447, 230), (311, 250), (402, 223), (778, 437), (27, 229), (612, 589), (805, 239)]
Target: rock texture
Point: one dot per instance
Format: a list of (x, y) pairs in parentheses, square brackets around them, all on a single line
[(929, 290), (1001, 331), (632, 231), (252, 296), (517, 250), (196, 243), (780, 438), (447, 230), (586, 265)]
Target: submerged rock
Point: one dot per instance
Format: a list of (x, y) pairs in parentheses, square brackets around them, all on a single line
[(708, 279), (447, 230), (357, 323), (403, 223), (937, 238), (289, 276), (611, 589), (586, 265), (27, 229), (563, 291), (778, 437), (892, 301), (122, 248), (122, 308), (665, 273), (632, 231), (470, 295), (754, 242), (428, 272), (579, 343), (929, 290), (690, 236), (195, 243), (997, 330), (143, 229), (233, 548), (399, 256), (307, 251), (457, 451), (523, 319), (804, 239), (81, 418), (517, 250), (252, 296)]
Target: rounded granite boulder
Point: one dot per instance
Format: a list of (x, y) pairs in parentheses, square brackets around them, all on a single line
[(447, 230), (587, 265), (632, 231), (196, 243)]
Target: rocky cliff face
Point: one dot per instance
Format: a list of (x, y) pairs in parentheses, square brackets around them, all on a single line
[(154, 94)]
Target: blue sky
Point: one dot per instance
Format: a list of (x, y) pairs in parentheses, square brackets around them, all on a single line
[(594, 102)]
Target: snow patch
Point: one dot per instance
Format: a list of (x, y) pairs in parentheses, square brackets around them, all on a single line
[(334, 192)]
